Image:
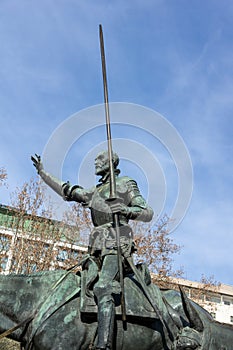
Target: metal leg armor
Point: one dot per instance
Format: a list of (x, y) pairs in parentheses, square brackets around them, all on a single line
[(106, 319), (103, 291)]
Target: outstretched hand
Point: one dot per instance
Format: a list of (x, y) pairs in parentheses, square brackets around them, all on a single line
[(37, 163)]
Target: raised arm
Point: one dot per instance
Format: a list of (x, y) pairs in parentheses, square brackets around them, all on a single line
[(63, 189)]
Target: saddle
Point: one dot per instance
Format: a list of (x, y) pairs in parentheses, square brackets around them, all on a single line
[(136, 301)]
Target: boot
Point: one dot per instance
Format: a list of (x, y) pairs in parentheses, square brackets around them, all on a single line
[(106, 318)]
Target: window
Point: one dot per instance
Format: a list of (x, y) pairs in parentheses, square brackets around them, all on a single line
[(75, 254), (213, 298), (3, 262), (62, 255), (4, 243), (227, 301), (213, 314), (231, 319)]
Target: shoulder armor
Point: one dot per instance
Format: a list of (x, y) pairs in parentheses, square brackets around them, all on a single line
[(67, 190)]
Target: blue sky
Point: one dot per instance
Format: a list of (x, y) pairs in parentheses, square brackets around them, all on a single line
[(173, 57)]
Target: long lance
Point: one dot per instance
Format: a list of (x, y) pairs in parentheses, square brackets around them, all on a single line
[(113, 194)]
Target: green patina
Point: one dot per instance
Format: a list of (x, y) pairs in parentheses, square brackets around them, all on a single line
[(69, 318), (53, 298)]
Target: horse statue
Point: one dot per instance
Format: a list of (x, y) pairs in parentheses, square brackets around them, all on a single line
[(51, 310)]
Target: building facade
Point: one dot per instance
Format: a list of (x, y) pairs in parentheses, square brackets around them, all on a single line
[(31, 243), (216, 299)]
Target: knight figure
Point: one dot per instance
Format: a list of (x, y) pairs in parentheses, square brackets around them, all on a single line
[(130, 205)]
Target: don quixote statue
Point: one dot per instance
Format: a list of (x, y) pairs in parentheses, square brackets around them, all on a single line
[(111, 304)]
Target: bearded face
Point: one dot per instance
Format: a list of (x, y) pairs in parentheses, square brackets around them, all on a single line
[(102, 163)]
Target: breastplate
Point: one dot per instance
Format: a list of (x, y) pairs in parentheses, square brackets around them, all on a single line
[(100, 211)]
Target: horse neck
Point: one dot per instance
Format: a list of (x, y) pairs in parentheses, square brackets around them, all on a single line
[(219, 335), (20, 296)]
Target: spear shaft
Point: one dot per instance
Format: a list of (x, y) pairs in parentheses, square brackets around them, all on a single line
[(107, 115), (113, 194)]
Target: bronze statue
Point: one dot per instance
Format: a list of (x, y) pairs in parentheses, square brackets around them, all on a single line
[(42, 312), (50, 310), (129, 205)]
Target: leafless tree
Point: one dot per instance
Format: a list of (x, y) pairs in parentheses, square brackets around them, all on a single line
[(3, 176), (156, 248), (33, 233)]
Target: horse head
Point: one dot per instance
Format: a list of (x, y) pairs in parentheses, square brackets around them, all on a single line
[(202, 332)]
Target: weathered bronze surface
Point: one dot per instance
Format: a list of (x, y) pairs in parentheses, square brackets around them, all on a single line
[(155, 319), (111, 241), (53, 299)]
